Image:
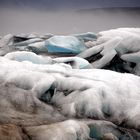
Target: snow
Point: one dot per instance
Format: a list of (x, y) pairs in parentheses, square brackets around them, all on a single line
[(67, 130), (89, 93), (69, 97), (121, 42), (28, 56), (75, 62), (6, 40)]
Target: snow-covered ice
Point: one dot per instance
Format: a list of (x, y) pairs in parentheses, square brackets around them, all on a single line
[(69, 95)]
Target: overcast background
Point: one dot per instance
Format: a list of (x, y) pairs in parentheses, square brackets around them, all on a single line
[(66, 16)]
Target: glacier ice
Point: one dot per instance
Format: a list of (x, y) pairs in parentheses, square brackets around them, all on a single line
[(67, 130), (7, 39), (29, 41), (64, 96), (28, 56), (121, 42), (90, 93), (75, 62), (89, 36), (64, 44), (38, 47)]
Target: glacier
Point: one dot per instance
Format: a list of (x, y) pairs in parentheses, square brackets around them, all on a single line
[(88, 91)]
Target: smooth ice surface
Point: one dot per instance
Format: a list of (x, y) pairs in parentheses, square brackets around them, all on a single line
[(64, 44)]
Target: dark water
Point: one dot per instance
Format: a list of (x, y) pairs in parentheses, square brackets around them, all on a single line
[(17, 21)]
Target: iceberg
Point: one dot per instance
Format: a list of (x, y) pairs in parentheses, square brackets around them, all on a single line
[(89, 36), (64, 44), (17, 39), (28, 56), (29, 41), (117, 45), (37, 47), (75, 62), (65, 96), (6, 40), (72, 90)]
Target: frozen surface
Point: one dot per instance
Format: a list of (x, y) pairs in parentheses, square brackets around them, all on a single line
[(121, 42), (64, 96), (28, 56), (89, 93), (64, 44)]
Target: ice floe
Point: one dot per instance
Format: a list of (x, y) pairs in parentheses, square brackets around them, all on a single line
[(64, 44)]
